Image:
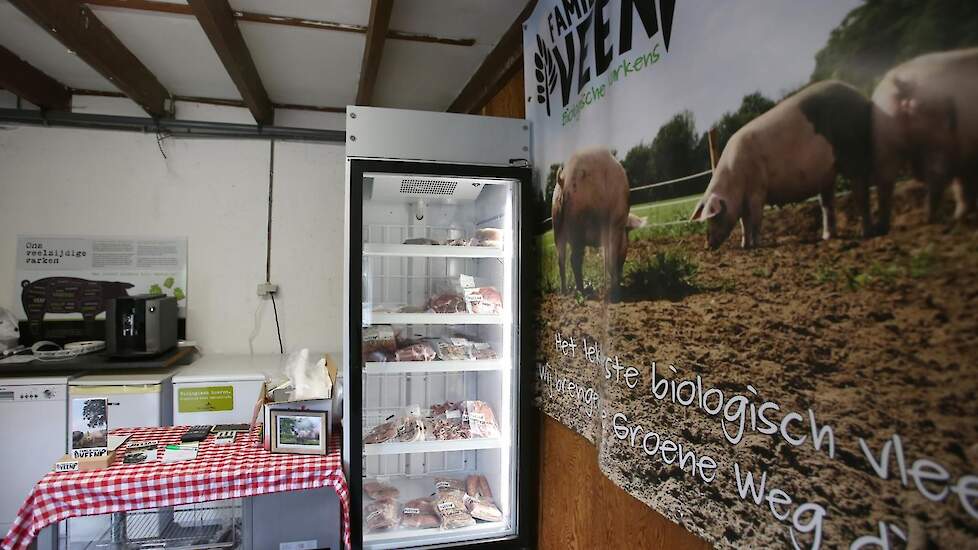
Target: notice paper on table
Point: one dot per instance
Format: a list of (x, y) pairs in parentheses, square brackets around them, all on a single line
[(182, 451)]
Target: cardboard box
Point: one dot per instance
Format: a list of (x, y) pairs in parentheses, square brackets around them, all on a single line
[(280, 398), (68, 464)]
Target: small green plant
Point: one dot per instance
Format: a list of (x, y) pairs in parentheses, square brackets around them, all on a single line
[(825, 274), (167, 284), (922, 262), (762, 272), (668, 274)]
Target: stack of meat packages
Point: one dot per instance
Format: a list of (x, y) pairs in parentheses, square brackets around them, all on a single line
[(381, 344), (454, 504), (445, 421)]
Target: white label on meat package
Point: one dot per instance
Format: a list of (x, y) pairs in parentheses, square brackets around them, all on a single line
[(412, 511), (373, 514), (459, 341), (452, 413), (478, 417), (442, 485), (467, 281), (447, 505)]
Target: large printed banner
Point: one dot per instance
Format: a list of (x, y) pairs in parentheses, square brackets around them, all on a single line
[(760, 261)]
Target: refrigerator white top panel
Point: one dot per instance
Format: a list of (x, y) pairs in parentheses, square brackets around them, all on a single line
[(148, 377), (373, 132), (31, 380), (231, 368)]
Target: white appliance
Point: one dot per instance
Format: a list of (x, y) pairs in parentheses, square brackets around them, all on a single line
[(223, 389), (135, 399), (33, 413)]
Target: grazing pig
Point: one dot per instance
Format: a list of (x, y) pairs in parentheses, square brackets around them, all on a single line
[(925, 115), (789, 154), (590, 208), (67, 295)]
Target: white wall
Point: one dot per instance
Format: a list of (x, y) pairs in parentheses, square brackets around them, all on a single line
[(214, 192)]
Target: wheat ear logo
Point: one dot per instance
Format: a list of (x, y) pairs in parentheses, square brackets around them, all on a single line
[(545, 72)]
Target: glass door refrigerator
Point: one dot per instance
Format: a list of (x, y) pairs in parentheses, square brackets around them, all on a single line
[(439, 426)]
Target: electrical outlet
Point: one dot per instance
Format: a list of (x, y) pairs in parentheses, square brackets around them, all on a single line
[(264, 289)]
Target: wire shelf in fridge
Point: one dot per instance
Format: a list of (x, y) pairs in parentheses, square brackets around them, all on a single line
[(383, 318), (396, 447), (431, 251), (400, 367)]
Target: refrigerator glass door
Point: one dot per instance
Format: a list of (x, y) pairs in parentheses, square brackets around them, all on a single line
[(438, 349)]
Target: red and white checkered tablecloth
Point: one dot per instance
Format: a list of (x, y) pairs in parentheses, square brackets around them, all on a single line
[(241, 469)]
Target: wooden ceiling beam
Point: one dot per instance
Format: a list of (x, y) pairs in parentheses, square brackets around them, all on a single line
[(28, 82), (77, 28), (252, 17), (499, 66), (380, 20), (222, 30)]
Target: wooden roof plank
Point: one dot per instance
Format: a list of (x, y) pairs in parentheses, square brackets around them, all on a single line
[(79, 30), (28, 82), (498, 67), (380, 20), (222, 30)]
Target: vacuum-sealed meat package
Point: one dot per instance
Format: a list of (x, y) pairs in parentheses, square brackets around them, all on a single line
[(481, 420), (439, 428), (479, 502), (411, 429), (481, 351), (378, 490), (485, 300), (449, 484), (450, 505), (380, 339), (419, 514), (446, 303), (381, 515), (383, 432), (421, 351), (488, 236), (450, 350)]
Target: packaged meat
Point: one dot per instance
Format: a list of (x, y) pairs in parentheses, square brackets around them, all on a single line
[(411, 429), (484, 300), (383, 432), (479, 502), (377, 490), (481, 420), (444, 430), (378, 356), (381, 515), (449, 351), (480, 351), (379, 338), (450, 505), (442, 408), (419, 514), (446, 303), (421, 240), (443, 484), (488, 236), (416, 352)]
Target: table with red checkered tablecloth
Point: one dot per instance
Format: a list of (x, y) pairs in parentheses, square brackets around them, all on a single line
[(240, 469)]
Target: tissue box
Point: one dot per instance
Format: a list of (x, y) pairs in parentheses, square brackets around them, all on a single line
[(281, 398)]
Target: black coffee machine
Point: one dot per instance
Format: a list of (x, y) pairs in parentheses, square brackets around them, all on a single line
[(141, 325)]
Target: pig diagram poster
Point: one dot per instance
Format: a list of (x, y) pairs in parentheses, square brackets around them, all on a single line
[(74, 277), (760, 260)]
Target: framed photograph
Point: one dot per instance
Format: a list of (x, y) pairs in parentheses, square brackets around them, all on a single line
[(299, 432), (89, 424)]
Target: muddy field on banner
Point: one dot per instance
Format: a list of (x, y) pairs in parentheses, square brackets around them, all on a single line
[(759, 279)]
